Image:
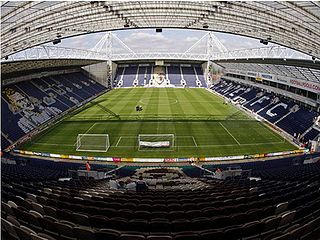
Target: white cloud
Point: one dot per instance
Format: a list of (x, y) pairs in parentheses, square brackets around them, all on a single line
[(233, 42), (191, 39), (148, 42), (86, 41)]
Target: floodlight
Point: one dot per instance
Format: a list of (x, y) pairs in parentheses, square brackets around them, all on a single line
[(56, 41), (264, 41)]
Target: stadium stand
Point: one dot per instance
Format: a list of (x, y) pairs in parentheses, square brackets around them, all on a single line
[(148, 73), (118, 77), (141, 76), (202, 174), (129, 75), (283, 204), (198, 70), (29, 104), (177, 75), (189, 76), (297, 122), (174, 75), (278, 107), (312, 134), (288, 115)]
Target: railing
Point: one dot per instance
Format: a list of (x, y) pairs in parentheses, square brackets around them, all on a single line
[(54, 52), (262, 52)]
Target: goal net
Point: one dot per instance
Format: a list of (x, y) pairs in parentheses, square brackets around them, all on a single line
[(150, 142), (93, 142)]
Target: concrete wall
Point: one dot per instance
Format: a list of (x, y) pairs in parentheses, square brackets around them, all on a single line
[(98, 72)]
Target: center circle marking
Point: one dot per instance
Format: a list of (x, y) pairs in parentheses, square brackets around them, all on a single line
[(145, 101)]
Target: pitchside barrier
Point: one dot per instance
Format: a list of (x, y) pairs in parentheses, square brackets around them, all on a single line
[(302, 153)]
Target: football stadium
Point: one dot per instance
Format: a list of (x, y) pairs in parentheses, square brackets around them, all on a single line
[(160, 120)]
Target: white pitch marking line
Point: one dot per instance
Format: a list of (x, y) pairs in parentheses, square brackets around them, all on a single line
[(229, 133), (195, 143), (90, 128), (118, 141), (53, 144), (85, 132), (211, 146)]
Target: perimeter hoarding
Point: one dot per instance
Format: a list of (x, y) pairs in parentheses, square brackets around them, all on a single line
[(159, 160)]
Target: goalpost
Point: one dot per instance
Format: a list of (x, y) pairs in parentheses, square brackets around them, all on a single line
[(93, 142), (152, 142)]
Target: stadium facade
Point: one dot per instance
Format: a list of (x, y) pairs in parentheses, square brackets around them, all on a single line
[(160, 146)]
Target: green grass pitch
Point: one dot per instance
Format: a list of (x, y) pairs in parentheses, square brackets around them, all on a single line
[(200, 121)]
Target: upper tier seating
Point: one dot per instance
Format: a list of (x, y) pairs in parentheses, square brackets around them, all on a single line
[(129, 76), (118, 76), (148, 73), (174, 75), (284, 113), (141, 75), (29, 104), (132, 76), (200, 75), (285, 202), (178, 75), (189, 76)]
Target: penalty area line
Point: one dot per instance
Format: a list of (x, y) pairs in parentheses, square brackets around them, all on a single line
[(86, 132), (210, 146), (194, 141), (229, 133), (118, 142), (53, 144), (90, 128)]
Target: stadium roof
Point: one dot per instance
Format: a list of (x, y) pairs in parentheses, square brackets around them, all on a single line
[(9, 69), (305, 70), (292, 24)]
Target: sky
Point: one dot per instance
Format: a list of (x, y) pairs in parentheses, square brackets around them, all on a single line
[(170, 40)]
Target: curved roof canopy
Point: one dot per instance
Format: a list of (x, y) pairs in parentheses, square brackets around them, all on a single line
[(299, 72), (292, 24), (22, 67)]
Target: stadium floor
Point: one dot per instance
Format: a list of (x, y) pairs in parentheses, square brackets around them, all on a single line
[(203, 126)]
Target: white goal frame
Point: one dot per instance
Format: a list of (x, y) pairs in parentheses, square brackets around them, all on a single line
[(104, 148), (171, 148)]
